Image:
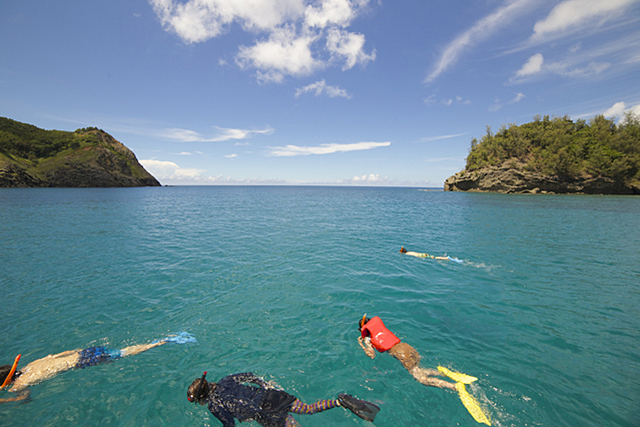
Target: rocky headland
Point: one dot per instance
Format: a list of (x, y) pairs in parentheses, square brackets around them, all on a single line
[(89, 157), (555, 156)]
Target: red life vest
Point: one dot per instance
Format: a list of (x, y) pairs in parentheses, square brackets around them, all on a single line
[(382, 339)]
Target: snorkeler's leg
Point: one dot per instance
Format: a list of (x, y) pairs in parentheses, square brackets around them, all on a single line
[(291, 422), (136, 349), (297, 407), (423, 376)]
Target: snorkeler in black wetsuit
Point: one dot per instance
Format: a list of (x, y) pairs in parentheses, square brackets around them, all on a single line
[(230, 398)]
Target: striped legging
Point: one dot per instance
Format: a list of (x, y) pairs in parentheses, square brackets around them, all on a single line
[(302, 408)]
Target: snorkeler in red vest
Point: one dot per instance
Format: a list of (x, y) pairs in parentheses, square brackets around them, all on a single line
[(46, 368), (250, 398), (374, 335)]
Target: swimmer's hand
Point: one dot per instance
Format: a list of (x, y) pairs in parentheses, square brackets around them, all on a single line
[(367, 347), (24, 395), (179, 338)]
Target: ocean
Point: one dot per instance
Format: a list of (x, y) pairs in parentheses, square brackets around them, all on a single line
[(544, 309)]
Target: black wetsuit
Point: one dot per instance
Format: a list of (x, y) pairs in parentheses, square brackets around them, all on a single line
[(231, 398)]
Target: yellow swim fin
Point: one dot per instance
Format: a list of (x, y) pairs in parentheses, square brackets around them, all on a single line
[(472, 405), (457, 376)]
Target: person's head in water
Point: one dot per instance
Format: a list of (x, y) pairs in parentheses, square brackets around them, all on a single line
[(5, 370), (403, 250), (199, 390), (363, 322)]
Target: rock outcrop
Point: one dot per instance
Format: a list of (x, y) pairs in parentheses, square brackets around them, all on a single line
[(507, 179)]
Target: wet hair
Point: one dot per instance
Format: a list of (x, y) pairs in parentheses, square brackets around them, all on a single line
[(198, 391), (403, 250), (4, 371)]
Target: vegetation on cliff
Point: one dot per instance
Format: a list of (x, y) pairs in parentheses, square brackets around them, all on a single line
[(562, 148), (89, 157)]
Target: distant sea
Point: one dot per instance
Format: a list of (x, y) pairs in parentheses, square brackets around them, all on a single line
[(544, 309)]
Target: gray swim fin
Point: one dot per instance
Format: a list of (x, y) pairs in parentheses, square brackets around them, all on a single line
[(363, 409)]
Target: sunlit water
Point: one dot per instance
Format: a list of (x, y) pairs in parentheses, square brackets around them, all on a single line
[(544, 310)]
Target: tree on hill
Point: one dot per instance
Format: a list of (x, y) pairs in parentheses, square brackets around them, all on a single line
[(561, 147)]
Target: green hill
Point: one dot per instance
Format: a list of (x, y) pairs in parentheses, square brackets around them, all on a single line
[(562, 152), (89, 157)]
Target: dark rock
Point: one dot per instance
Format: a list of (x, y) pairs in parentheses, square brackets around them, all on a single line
[(513, 180)]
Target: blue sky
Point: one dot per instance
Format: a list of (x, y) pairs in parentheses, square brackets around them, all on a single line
[(334, 92)]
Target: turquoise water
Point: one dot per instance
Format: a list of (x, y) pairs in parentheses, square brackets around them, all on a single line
[(545, 309)]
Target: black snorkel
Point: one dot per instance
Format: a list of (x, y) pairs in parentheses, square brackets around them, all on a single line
[(196, 397)]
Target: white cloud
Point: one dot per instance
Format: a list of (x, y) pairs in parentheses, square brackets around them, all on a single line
[(284, 53), (619, 109), (164, 170), (224, 134), (432, 99), (498, 104), (348, 46), (332, 12), (372, 178), (482, 30), (441, 137), (292, 28), (566, 69), (321, 87), (572, 67), (574, 14), (532, 66), (199, 20), (294, 150), (231, 156)]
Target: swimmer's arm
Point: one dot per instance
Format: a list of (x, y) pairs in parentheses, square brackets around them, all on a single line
[(415, 254), (250, 377), (365, 343), (24, 394)]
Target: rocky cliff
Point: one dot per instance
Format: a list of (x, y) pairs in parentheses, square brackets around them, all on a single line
[(32, 157), (509, 179)]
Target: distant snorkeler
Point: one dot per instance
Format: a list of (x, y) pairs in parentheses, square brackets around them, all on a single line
[(231, 398), (426, 255), (46, 368), (375, 336)]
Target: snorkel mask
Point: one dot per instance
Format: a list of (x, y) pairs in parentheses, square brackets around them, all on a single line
[(193, 398), (7, 380)]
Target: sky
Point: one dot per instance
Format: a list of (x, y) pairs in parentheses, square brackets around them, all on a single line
[(313, 92)]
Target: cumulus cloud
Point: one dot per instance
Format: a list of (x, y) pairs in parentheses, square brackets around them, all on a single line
[(224, 134), (619, 109), (372, 178), (574, 14), (284, 53), (293, 29), (332, 12), (164, 170), (482, 30), (294, 150), (532, 66), (199, 20), (349, 47), (321, 87)]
